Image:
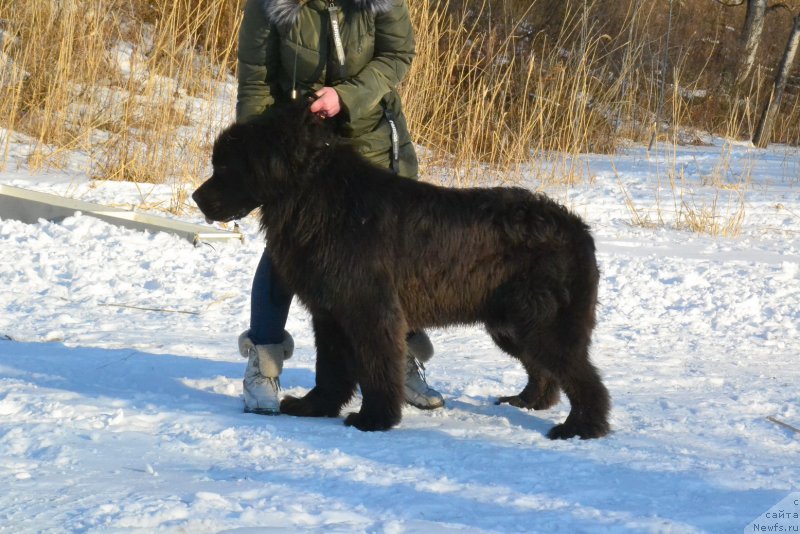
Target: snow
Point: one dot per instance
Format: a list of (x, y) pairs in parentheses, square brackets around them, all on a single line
[(120, 382)]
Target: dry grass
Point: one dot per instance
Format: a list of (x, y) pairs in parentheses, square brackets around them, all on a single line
[(499, 88), (472, 96), (719, 212), (126, 82)]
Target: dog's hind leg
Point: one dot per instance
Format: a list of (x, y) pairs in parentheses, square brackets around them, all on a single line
[(549, 329), (335, 377), (568, 339), (588, 397), (562, 348), (553, 361), (542, 391), (516, 309)]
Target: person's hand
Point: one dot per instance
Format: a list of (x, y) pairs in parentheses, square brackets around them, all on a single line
[(327, 103)]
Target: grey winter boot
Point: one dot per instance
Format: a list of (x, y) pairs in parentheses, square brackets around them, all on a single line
[(418, 392), (261, 378)]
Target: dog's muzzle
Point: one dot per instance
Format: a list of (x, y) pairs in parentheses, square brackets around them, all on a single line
[(239, 215)]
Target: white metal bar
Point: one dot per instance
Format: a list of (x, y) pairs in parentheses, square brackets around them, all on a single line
[(30, 206)]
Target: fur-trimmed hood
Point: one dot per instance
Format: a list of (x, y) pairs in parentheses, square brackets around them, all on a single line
[(284, 12)]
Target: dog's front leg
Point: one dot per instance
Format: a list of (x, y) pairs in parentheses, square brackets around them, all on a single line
[(379, 354), (335, 379)]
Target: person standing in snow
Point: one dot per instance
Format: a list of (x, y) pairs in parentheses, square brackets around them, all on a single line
[(351, 54)]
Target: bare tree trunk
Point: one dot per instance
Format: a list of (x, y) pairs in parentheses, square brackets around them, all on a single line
[(764, 130), (627, 62), (751, 37), (663, 90)]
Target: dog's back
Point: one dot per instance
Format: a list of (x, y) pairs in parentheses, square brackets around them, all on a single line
[(448, 250)]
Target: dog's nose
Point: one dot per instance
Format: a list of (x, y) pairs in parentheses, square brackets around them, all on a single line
[(196, 199)]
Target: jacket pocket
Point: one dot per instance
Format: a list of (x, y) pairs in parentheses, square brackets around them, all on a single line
[(361, 47), (310, 66)]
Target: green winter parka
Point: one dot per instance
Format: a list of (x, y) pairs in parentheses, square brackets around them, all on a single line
[(286, 42)]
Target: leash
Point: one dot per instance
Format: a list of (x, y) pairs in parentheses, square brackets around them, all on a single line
[(294, 76)]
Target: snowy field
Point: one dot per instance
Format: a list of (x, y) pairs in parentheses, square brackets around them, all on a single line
[(120, 382)]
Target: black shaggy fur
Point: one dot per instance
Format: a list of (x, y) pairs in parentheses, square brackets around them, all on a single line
[(374, 256)]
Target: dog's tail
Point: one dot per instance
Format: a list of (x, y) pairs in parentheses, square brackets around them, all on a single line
[(584, 288), (564, 237)]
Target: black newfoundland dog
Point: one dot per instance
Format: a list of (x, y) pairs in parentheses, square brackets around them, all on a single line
[(374, 256)]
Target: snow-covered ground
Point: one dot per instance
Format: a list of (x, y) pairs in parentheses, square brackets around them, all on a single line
[(120, 382)]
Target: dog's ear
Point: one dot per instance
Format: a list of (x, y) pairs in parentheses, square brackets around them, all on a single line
[(332, 125), (280, 147), (245, 153), (308, 131)]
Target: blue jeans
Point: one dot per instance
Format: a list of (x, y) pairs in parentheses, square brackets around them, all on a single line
[(269, 304)]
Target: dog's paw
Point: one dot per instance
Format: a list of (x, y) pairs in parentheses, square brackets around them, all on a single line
[(305, 407), (584, 430), (291, 405), (513, 400), (311, 405), (543, 402), (368, 423)]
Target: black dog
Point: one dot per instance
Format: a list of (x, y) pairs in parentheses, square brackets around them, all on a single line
[(374, 256)]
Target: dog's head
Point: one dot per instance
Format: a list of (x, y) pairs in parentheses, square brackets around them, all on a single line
[(260, 161)]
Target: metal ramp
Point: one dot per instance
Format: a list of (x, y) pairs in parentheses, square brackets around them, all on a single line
[(30, 206)]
